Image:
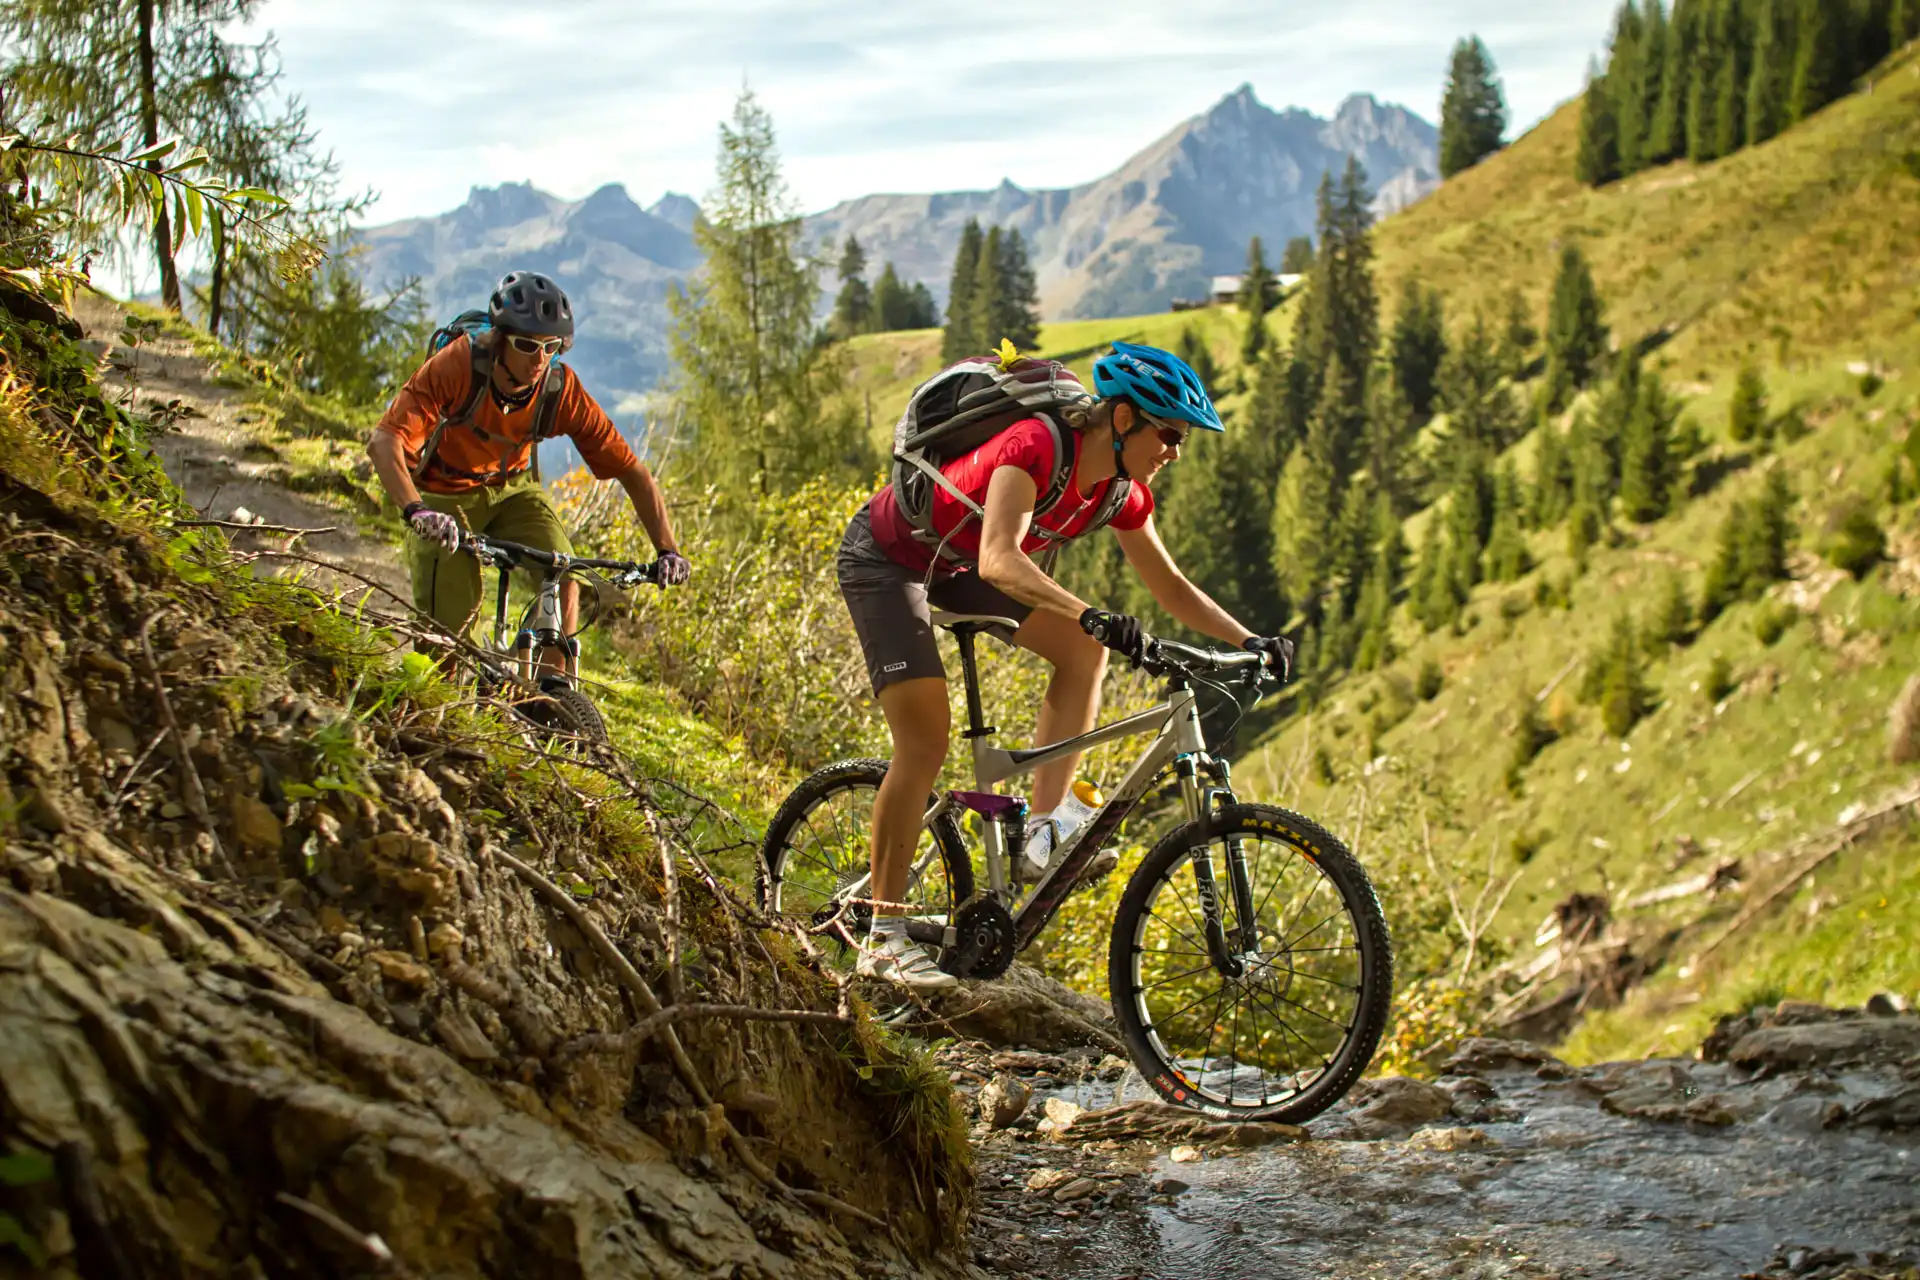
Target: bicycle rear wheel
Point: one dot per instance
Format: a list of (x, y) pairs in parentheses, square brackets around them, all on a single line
[(564, 713), (1293, 1030), (817, 851)]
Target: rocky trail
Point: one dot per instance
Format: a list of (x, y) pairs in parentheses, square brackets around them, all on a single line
[(1793, 1153)]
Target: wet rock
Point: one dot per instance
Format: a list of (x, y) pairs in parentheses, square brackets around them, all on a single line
[(1184, 1154), (1396, 1103), (1026, 1007), (1059, 1117), (1152, 1120), (1044, 1180), (1851, 1042), (1898, 1111), (1480, 1054), (1078, 1189), (1885, 1004), (1449, 1139), (1169, 1186), (1004, 1100)]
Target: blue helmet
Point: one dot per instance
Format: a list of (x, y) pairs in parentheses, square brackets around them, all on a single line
[(1157, 382)]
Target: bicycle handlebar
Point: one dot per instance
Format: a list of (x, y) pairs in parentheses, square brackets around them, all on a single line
[(510, 555), (1171, 658)]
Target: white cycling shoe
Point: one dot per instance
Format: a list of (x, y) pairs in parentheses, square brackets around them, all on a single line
[(899, 959)]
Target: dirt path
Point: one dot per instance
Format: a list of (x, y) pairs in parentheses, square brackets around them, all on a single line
[(218, 453)]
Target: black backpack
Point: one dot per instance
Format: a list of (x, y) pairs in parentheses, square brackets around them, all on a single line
[(474, 326), (967, 404)]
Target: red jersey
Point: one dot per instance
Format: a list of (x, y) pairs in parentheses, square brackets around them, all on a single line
[(1028, 445)]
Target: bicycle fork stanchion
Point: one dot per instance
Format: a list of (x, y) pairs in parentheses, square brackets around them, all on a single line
[(1200, 809)]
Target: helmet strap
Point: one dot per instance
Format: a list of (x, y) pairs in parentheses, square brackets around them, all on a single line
[(1119, 445)]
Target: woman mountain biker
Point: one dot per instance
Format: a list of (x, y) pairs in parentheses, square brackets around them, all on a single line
[(450, 456), (1146, 404)]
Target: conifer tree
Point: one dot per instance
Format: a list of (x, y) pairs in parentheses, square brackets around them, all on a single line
[(1341, 319), (1903, 21), (892, 303), (1552, 490), (1193, 349), (1469, 518), (1624, 694), (853, 309), (1257, 289), (1305, 508), (1822, 63), (1517, 336), (1417, 346), (989, 303), (1276, 416), (1429, 586), (1473, 112), (1654, 35), (1625, 81), (1772, 72), (1671, 620), (1481, 410), (1576, 329), (1731, 79), (1667, 132), (962, 336), (1597, 162), (1747, 415), (1592, 488), (1722, 584), (922, 312), (1297, 258), (1648, 467), (1769, 534), (1703, 83), (1506, 556), (1016, 317), (1376, 625), (743, 329), (1387, 448)]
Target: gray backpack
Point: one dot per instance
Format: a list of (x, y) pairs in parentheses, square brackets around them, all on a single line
[(961, 408)]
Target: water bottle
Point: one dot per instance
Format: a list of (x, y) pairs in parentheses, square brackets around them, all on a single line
[(1082, 802)]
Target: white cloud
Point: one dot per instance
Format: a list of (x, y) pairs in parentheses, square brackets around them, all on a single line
[(423, 99)]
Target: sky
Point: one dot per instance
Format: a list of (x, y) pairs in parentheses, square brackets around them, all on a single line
[(422, 99)]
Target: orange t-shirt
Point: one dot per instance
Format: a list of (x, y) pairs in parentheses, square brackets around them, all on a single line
[(437, 389)]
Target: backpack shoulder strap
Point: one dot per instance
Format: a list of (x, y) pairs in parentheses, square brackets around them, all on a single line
[(1062, 475), (545, 412), (480, 373)]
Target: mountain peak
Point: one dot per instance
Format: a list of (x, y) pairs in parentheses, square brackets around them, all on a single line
[(676, 210), (611, 196), (506, 205)]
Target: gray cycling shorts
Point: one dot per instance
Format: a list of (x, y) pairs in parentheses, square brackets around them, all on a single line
[(892, 607)]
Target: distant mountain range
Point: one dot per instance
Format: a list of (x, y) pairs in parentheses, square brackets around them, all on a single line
[(1155, 229)]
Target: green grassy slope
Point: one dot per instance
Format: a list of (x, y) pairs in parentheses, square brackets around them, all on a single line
[(1799, 255)]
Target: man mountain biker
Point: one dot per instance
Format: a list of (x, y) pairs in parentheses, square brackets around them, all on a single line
[(452, 458), (1147, 402)]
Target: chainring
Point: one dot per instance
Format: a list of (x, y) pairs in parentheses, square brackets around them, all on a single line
[(984, 943)]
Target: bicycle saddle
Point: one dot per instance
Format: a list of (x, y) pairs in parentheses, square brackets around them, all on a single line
[(968, 623)]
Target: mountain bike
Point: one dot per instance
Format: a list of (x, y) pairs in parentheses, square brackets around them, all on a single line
[(1249, 965), (558, 707)]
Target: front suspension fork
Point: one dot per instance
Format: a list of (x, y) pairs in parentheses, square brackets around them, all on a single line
[(1201, 802)]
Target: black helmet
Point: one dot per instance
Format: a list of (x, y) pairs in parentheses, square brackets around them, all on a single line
[(528, 302)]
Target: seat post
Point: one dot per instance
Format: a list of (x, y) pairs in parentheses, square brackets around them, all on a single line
[(970, 673)]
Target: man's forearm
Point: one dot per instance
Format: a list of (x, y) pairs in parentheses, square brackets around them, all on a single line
[(390, 464), (650, 505)]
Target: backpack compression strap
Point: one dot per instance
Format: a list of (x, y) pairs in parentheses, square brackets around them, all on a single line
[(480, 373)]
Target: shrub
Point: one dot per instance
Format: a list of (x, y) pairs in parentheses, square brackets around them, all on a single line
[(1855, 542), (1903, 724), (1624, 695), (1718, 682), (1426, 684), (1792, 425), (1747, 415), (1323, 767), (1670, 622), (1531, 735), (1523, 844), (1870, 384), (1772, 620)]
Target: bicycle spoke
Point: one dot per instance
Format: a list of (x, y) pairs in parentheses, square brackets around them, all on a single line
[(1178, 977)]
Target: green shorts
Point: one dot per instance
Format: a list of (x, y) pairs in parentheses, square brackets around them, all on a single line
[(446, 584)]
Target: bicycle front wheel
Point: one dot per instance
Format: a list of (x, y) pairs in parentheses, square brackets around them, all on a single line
[(1288, 1024), (814, 860)]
